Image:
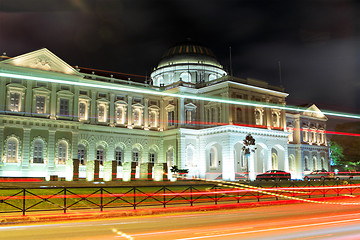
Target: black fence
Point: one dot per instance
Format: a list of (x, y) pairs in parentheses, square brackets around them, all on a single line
[(66, 199)]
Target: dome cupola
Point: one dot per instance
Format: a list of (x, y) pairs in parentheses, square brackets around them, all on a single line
[(188, 62)]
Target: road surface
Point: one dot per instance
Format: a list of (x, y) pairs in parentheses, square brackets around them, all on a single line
[(296, 221)]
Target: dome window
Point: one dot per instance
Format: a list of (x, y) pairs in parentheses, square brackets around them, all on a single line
[(185, 77)]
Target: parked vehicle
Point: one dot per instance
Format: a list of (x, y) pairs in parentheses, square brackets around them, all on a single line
[(273, 175), (319, 175)]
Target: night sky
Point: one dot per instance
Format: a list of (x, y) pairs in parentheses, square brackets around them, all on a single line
[(316, 42)]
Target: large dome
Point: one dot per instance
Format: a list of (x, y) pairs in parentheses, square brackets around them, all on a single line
[(188, 62)]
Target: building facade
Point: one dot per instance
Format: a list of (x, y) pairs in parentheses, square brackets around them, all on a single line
[(193, 115)]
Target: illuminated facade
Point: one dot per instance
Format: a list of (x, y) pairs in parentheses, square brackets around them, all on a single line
[(52, 113)]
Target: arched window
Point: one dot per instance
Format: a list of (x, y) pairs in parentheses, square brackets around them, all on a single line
[(275, 120), (170, 157), (274, 159), (212, 157), (292, 163), (314, 163), (306, 167), (12, 150), (38, 154), (119, 156), (212, 77), (82, 154), (185, 77), (258, 117), (100, 154), (305, 135), (322, 163), (160, 81), (152, 156), (189, 157), (136, 156), (291, 135), (62, 152)]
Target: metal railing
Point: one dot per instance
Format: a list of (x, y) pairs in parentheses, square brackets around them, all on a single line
[(65, 199)]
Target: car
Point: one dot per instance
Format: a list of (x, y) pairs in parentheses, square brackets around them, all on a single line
[(319, 175), (274, 175)]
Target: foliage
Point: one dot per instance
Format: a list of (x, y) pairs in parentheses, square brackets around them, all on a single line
[(336, 153), (350, 144)]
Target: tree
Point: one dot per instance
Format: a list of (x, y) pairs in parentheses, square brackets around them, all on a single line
[(336, 153), (349, 143)]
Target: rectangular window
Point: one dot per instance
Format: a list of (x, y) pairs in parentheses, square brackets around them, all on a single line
[(171, 118), (152, 157), (101, 113), (82, 111), (119, 116), (40, 104), (64, 107), (38, 152), (135, 157), (118, 158), (15, 102)]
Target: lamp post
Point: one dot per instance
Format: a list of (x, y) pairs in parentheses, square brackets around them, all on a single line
[(248, 148)]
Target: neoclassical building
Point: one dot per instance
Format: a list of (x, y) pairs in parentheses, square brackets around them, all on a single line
[(192, 115)]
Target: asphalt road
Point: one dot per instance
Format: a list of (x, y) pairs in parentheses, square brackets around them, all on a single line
[(297, 221)]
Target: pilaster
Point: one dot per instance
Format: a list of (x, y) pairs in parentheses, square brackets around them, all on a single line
[(29, 100), (129, 112), (76, 104), (112, 109), (162, 110), (74, 143), (53, 101), (26, 149), (51, 163), (146, 114), (181, 113), (93, 107)]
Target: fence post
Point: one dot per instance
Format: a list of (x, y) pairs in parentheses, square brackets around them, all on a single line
[(23, 208), (164, 198), (101, 199), (134, 192), (191, 197), (65, 207)]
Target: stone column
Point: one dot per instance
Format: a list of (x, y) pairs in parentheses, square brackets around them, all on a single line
[(26, 149), (112, 109), (53, 100), (268, 115), (96, 170), (114, 170), (162, 112), (76, 104), (93, 107), (51, 147), (129, 112), (146, 114), (28, 99), (251, 164), (75, 170)]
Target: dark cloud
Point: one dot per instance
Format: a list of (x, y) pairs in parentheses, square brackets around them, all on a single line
[(315, 41)]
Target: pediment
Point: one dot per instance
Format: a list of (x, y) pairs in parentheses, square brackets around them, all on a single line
[(314, 111), (42, 59)]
